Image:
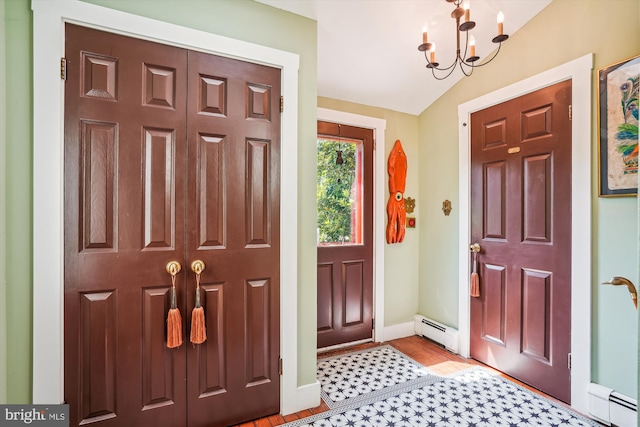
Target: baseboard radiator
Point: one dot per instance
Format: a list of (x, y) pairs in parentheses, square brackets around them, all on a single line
[(442, 334), (611, 408)]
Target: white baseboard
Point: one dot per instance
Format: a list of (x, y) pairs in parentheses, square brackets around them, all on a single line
[(307, 396), (399, 330)]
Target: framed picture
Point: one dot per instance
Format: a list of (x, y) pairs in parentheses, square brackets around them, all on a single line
[(618, 125)]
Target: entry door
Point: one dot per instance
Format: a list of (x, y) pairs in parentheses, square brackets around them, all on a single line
[(170, 155), (345, 234), (521, 218)]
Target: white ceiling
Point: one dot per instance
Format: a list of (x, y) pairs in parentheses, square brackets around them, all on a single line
[(368, 49)]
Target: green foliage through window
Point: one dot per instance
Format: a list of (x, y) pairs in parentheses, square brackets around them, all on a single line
[(335, 191)]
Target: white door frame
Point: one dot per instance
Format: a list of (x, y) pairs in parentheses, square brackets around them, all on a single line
[(379, 172), (49, 18), (579, 71)]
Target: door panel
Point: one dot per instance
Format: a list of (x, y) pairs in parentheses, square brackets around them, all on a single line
[(233, 216), (536, 215), (494, 303), (354, 291), (494, 184), (536, 316), (521, 210), (212, 363), (124, 178), (345, 270), (163, 164), (325, 296), (158, 372)]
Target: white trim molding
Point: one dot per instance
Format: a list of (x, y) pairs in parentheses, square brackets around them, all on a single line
[(579, 72), (49, 18), (399, 330), (379, 127)]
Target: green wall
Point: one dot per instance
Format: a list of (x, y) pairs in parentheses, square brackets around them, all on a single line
[(3, 281), (401, 260), (18, 184), (563, 31)]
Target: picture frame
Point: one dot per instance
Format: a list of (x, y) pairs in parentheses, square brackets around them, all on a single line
[(618, 128)]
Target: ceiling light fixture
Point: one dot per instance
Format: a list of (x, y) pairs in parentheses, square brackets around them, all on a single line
[(467, 63)]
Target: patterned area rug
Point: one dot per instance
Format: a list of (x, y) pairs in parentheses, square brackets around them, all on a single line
[(473, 397), (369, 373)]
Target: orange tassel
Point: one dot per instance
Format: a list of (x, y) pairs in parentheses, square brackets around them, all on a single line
[(174, 323), (198, 328), (475, 284), (475, 279)]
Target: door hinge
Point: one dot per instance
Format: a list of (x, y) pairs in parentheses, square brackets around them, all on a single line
[(373, 324), (280, 366), (63, 68), (569, 360), (570, 111), (282, 104)]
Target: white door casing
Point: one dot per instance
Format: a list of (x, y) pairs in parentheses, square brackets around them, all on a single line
[(379, 173)]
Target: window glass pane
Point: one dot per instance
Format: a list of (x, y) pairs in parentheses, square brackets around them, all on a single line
[(339, 192)]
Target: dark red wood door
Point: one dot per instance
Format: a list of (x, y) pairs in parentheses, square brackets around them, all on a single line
[(521, 217), (345, 270), (233, 213), (138, 195), (124, 181)]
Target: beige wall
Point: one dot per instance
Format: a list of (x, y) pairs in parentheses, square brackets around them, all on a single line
[(565, 30), (401, 260)]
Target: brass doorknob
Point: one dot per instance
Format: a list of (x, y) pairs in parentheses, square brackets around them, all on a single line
[(475, 248), (197, 266), (173, 268)]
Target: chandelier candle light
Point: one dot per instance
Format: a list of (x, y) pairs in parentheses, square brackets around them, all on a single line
[(466, 65)]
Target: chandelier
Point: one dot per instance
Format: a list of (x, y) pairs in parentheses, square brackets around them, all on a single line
[(466, 63)]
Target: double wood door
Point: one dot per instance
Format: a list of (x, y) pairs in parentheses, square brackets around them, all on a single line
[(521, 218), (170, 155)]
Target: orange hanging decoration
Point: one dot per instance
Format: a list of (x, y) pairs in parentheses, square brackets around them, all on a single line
[(174, 319), (396, 213), (475, 278), (198, 327), (475, 285)]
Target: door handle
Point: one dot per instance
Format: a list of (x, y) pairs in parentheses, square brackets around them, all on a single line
[(617, 281), (474, 248), (197, 266), (198, 326), (173, 268)]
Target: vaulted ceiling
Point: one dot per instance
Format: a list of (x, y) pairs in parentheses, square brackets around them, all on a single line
[(368, 49)]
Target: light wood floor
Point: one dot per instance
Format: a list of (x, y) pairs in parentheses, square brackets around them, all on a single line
[(423, 351)]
